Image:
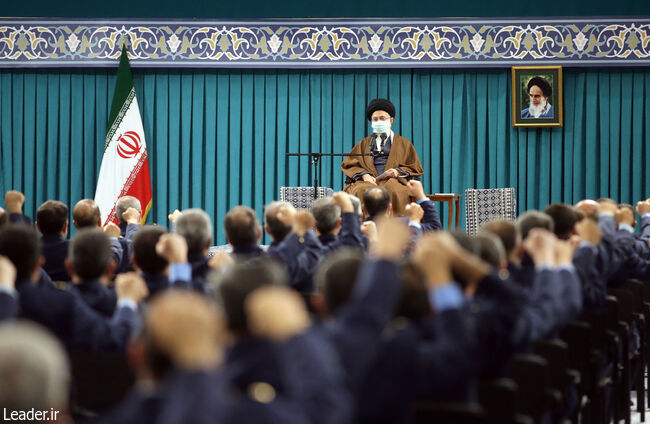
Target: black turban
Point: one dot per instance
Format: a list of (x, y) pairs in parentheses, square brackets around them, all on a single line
[(543, 85), (380, 104)]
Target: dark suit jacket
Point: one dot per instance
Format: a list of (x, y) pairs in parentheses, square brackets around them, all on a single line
[(74, 322), (100, 298), (8, 305), (55, 250)]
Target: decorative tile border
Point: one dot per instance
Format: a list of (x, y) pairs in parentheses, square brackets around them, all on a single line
[(328, 43)]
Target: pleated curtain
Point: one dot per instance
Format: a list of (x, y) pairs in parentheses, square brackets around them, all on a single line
[(218, 138)]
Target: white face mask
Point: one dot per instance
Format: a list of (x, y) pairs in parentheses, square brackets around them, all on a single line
[(380, 127)]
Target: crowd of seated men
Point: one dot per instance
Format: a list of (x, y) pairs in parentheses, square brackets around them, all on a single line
[(350, 316)]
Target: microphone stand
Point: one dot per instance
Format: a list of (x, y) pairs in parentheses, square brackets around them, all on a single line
[(315, 160)]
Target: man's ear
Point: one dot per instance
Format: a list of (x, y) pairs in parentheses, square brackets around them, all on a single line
[(389, 211), (37, 227), (64, 231), (99, 222), (391, 120), (68, 266), (266, 228), (364, 212), (259, 234), (36, 272), (110, 269), (338, 223), (317, 301), (135, 264)]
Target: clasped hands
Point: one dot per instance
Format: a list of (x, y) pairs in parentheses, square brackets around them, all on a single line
[(391, 173)]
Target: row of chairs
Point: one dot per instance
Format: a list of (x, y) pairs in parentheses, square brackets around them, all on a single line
[(585, 375)]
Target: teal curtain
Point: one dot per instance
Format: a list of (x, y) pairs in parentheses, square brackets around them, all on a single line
[(218, 138)]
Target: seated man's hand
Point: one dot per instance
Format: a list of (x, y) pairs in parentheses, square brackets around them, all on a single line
[(369, 179), (342, 200), (393, 172), (174, 215), (414, 212), (415, 189), (131, 286), (14, 201), (172, 247), (112, 230), (131, 216)]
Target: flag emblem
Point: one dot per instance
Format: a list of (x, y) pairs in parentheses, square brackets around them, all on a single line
[(128, 144)]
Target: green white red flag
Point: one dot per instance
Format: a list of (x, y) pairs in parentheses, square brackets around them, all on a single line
[(125, 165)]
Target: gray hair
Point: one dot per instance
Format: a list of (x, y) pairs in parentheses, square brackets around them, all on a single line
[(123, 204), (326, 214), (533, 219), (33, 368), (276, 228), (195, 225)]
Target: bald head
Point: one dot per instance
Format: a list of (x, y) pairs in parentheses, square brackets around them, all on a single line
[(34, 369), (376, 201), (183, 326), (86, 214), (242, 226)]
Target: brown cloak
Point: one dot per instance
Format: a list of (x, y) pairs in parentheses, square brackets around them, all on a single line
[(402, 155)]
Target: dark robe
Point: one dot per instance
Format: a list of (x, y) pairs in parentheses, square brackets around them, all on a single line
[(402, 155)]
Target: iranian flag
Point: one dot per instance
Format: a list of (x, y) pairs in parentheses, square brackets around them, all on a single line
[(125, 164)]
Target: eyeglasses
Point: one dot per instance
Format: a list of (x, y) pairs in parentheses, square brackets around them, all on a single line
[(380, 118)]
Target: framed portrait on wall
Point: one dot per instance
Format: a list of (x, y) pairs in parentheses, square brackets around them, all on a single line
[(537, 96)]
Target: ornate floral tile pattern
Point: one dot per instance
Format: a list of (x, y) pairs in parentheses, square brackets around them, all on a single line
[(327, 43)]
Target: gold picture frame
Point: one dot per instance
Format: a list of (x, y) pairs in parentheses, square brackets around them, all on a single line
[(537, 97)]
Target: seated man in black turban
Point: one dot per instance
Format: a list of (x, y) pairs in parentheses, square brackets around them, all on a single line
[(393, 162), (539, 91)]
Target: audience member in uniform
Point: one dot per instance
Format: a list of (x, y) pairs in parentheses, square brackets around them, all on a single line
[(90, 265), (52, 222)]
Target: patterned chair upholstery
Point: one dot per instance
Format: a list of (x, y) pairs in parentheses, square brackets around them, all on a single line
[(303, 197), (485, 205)]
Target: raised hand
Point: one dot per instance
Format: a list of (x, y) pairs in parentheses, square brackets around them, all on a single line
[(369, 229), (172, 247), (131, 286), (112, 230), (221, 261), (392, 239), (414, 212), (7, 273), (174, 215), (342, 200), (14, 200), (415, 189), (132, 216), (540, 245), (589, 231), (304, 221)]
